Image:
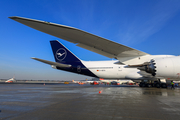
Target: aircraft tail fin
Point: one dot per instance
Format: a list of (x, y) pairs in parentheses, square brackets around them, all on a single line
[(62, 54)]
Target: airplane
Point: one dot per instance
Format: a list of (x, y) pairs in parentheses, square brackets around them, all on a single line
[(12, 80), (118, 81), (129, 64), (83, 81)]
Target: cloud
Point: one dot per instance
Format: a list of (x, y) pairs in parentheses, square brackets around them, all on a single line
[(149, 22)]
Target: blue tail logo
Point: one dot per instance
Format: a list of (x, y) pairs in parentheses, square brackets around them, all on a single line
[(64, 56), (61, 54)]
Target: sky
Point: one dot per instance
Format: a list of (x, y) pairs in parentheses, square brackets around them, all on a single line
[(151, 26)]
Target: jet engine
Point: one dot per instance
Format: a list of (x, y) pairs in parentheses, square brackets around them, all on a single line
[(168, 67)]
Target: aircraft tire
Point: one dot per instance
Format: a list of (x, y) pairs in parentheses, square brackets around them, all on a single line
[(149, 85), (163, 85), (143, 85), (158, 85)]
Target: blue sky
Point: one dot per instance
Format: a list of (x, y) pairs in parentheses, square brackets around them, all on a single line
[(152, 26)]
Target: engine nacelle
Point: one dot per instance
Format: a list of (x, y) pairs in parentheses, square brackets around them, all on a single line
[(168, 68)]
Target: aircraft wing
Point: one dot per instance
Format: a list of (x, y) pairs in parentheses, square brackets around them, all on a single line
[(83, 39), (52, 63)]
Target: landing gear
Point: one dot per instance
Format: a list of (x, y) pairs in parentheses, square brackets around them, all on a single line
[(156, 84), (163, 85), (144, 84), (149, 85), (140, 84)]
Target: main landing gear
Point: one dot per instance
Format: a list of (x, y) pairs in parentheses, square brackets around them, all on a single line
[(157, 84)]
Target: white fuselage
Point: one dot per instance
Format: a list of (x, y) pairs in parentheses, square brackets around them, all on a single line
[(167, 67), (10, 80), (110, 70)]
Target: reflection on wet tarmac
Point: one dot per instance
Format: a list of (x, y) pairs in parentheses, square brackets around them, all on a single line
[(59, 101)]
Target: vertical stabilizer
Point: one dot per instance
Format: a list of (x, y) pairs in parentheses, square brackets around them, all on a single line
[(62, 54)]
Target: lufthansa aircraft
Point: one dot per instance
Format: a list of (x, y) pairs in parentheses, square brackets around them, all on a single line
[(130, 63)]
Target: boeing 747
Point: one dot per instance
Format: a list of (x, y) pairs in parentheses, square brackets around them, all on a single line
[(130, 63)]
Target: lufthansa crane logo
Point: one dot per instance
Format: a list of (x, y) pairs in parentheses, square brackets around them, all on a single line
[(61, 54)]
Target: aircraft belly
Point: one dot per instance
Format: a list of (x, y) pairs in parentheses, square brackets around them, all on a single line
[(106, 75)]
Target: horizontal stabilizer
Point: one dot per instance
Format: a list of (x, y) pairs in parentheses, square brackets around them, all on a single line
[(52, 63)]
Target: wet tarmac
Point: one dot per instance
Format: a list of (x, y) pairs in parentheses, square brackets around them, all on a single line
[(84, 102)]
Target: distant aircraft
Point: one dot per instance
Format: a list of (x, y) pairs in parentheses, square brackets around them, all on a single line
[(91, 81), (12, 80), (119, 81), (130, 63)]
